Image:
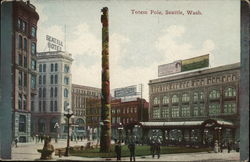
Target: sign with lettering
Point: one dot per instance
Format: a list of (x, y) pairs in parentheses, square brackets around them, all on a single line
[(54, 43), (171, 68), (126, 91), (183, 65)]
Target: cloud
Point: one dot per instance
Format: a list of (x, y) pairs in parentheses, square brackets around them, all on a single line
[(171, 46)]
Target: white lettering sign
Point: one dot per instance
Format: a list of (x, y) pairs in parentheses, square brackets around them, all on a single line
[(54, 43)]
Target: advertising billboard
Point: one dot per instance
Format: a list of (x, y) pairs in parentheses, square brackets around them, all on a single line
[(171, 68), (126, 91)]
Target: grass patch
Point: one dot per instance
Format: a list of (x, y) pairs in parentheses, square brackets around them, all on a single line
[(139, 151)]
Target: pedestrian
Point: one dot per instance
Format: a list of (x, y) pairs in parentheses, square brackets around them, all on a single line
[(152, 148), (158, 148), (118, 149), (16, 140), (228, 147), (131, 147), (81, 138)]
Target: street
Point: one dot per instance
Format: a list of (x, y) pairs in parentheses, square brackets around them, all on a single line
[(28, 152)]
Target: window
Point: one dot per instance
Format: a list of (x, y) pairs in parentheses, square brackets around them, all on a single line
[(40, 80), (51, 91), (55, 91), (230, 92), (40, 106), (214, 94), (33, 49), (175, 111), (214, 109), (156, 113), (33, 81), (20, 79), (44, 67), (40, 68), (25, 44), (44, 106), (165, 112), (51, 79), (56, 79), (33, 64), (185, 97), (165, 100), (44, 92), (40, 92), (201, 95), (24, 102), (65, 105), (66, 92), (20, 42), (19, 25), (44, 79), (24, 26), (195, 96), (25, 80), (22, 123), (156, 101), (51, 67), (32, 105), (25, 61), (202, 110), (55, 106), (66, 68), (51, 106), (20, 60), (20, 101), (56, 67), (196, 111), (229, 108), (33, 32), (185, 111), (175, 99), (66, 80)]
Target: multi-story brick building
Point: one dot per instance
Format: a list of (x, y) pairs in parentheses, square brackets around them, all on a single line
[(54, 93), (22, 19), (206, 100), (80, 95)]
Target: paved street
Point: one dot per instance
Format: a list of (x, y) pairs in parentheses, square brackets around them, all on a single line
[(28, 152)]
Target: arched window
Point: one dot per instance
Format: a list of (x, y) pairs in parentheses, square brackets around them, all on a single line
[(196, 96), (214, 109), (185, 97), (53, 125), (214, 94), (156, 101), (165, 100), (230, 92), (22, 123), (175, 99), (20, 42)]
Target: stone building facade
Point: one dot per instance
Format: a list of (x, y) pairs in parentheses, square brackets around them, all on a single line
[(54, 93), (24, 69), (80, 95), (198, 96)]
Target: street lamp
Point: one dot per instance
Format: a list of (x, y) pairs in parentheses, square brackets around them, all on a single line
[(120, 128), (68, 115)]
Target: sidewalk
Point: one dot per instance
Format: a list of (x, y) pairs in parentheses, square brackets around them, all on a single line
[(28, 152)]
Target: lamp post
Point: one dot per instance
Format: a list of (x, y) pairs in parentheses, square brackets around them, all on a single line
[(120, 128), (68, 116)]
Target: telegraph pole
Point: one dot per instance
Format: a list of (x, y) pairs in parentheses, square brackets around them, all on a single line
[(105, 140)]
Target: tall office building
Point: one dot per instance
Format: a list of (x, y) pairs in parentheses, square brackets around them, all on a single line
[(20, 43), (54, 93)]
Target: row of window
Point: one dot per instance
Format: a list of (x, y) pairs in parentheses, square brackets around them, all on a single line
[(53, 106), (23, 26), (79, 113), (125, 110), (53, 67), (214, 94), (23, 44), (42, 92), (22, 61), (185, 111), (194, 83), (22, 80)]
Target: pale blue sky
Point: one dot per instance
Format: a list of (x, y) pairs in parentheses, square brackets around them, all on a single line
[(139, 43)]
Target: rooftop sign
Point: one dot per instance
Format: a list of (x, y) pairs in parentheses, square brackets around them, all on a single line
[(54, 43)]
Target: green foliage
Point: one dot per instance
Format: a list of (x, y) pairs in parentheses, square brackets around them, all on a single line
[(139, 151)]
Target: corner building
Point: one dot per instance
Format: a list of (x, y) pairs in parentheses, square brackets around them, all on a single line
[(199, 99), (24, 67), (54, 93)]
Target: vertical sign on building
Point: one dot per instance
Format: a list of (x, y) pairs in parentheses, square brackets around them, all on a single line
[(105, 140)]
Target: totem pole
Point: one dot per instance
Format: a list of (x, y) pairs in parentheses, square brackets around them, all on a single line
[(105, 140)]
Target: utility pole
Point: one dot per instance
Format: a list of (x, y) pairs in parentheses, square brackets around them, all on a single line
[(105, 140)]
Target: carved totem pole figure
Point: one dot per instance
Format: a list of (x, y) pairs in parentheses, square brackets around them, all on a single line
[(105, 140)]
